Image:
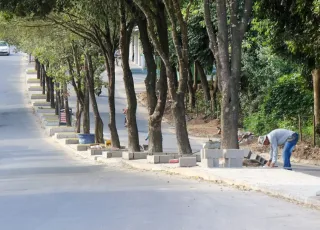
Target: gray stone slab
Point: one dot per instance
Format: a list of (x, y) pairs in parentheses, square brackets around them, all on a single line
[(112, 154), (62, 129), (66, 135), (187, 161), (50, 123), (35, 88), (95, 152), (33, 80), (165, 158), (38, 97), (41, 103), (134, 155), (83, 147), (70, 141)]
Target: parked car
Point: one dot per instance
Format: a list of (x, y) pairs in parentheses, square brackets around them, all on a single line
[(4, 48)]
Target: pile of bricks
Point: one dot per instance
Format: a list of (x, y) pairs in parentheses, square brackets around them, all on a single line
[(230, 158)]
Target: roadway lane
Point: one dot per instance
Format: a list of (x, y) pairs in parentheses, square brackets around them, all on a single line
[(43, 187)]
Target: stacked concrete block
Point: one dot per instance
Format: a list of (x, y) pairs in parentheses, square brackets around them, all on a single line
[(134, 155), (233, 158), (187, 161), (210, 157)]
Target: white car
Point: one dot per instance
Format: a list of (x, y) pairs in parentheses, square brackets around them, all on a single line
[(4, 48)]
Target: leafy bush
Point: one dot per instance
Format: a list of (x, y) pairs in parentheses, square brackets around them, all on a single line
[(280, 108)]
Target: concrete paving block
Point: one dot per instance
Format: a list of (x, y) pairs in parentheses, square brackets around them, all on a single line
[(233, 163), (95, 152), (153, 159), (59, 129), (112, 154), (38, 97), (165, 158), (139, 155), (35, 88), (65, 135), (50, 123), (45, 110), (211, 153), (33, 80), (127, 155), (233, 153), (187, 161), (41, 103), (82, 147), (71, 141)]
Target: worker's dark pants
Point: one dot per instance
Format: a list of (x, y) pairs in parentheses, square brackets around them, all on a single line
[(287, 150)]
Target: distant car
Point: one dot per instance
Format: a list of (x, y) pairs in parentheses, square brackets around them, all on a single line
[(4, 48)]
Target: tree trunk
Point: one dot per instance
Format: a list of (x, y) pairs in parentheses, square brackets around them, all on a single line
[(177, 95), (110, 63), (155, 107), (66, 104), (52, 101), (98, 121), (86, 113), (48, 88), (125, 34), (204, 81), (316, 94), (192, 94), (78, 117), (38, 68), (43, 78), (58, 104)]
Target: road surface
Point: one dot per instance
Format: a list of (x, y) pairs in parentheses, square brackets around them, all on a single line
[(44, 188)]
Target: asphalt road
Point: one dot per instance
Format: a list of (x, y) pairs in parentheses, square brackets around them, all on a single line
[(43, 188)]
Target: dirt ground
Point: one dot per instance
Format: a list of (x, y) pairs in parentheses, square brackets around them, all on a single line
[(200, 126)]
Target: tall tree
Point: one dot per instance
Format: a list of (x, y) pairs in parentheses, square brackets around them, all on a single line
[(174, 12), (226, 43)]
